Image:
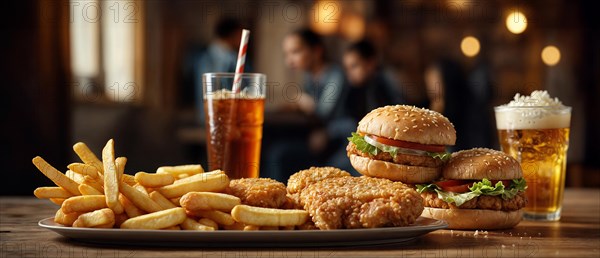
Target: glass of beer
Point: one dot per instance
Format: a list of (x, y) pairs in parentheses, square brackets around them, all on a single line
[(234, 122), (538, 137)]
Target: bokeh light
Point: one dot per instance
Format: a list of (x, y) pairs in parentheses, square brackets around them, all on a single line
[(516, 22), (470, 46), (551, 55)]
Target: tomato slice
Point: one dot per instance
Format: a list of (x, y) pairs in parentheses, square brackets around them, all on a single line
[(409, 145), (447, 183), (455, 186), (458, 188)]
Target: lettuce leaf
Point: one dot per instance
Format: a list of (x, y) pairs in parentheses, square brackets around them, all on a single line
[(483, 187), (456, 198), (444, 156), (425, 188), (362, 145)]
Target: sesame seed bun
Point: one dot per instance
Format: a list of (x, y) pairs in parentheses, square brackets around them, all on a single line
[(480, 163), (475, 218), (408, 123)]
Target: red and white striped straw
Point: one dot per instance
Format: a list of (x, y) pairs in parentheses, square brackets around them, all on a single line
[(241, 61)]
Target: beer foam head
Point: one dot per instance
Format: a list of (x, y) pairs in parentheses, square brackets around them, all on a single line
[(536, 111)]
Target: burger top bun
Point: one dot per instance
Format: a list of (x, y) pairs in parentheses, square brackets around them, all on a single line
[(408, 123), (480, 163)]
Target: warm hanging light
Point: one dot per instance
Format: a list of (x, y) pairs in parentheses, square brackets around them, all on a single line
[(470, 46), (551, 55), (325, 16), (516, 22)]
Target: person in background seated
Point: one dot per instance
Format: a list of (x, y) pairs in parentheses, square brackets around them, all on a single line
[(323, 81), (370, 87), (305, 52)]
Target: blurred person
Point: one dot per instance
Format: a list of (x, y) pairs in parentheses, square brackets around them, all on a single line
[(219, 56), (370, 86), (305, 51), (323, 81)]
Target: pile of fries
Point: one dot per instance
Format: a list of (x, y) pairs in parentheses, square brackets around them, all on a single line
[(98, 194)]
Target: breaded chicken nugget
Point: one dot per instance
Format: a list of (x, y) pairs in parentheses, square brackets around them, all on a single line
[(361, 202), (260, 192)]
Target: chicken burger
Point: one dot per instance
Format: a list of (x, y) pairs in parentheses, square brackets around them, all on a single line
[(479, 189), (401, 143)]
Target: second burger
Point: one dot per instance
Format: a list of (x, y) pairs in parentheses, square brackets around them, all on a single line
[(401, 143)]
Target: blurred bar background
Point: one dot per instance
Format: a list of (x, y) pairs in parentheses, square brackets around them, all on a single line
[(94, 70)]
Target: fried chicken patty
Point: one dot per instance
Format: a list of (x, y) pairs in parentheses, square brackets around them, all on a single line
[(260, 192), (402, 159), (361, 202), (303, 178), (484, 202)]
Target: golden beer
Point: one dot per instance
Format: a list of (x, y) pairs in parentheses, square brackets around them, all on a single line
[(538, 137), (543, 157)]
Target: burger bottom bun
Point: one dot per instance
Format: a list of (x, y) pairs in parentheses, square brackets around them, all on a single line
[(475, 218), (394, 172)]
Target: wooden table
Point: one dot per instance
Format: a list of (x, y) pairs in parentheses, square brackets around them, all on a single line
[(576, 235)]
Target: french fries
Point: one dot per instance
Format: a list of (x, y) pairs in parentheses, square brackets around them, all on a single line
[(268, 217), (197, 176), (120, 164), (88, 180), (57, 201), (84, 169), (176, 171), (103, 217), (98, 194), (86, 189), (74, 176), (208, 222), (190, 224), (66, 219), (175, 201), (56, 176), (87, 156), (139, 199), (84, 203), (131, 210), (157, 220), (203, 183), (234, 226), (141, 188), (154, 180), (220, 217), (111, 178), (209, 201), (51, 192), (129, 179), (251, 228)]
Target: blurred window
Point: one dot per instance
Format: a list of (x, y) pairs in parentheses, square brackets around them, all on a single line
[(103, 50)]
